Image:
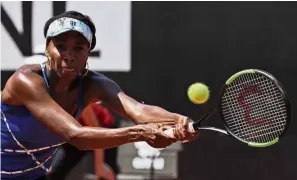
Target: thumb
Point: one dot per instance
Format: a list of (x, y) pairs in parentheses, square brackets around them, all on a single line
[(169, 133), (166, 127)]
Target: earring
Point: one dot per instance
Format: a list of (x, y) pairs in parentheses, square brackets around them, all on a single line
[(87, 70), (48, 60)]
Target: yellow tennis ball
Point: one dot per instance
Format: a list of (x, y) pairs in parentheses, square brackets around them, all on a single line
[(198, 93)]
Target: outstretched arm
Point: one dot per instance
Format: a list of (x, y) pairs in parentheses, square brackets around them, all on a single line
[(141, 113), (29, 88)]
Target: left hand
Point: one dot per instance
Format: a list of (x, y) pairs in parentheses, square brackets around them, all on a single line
[(182, 131)]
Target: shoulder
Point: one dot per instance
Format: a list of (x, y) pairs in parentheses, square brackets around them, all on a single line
[(98, 79), (99, 86), (26, 78), (96, 76), (30, 74)]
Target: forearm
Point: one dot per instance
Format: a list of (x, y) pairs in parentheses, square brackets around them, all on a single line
[(154, 114), (89, 138)]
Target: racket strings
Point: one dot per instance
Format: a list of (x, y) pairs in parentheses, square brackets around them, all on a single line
[(271, 107), (271, 113), (253, 108), (262, 115), (264, 111)]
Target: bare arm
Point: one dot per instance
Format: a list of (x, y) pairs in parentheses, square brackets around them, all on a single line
[(30, 89), (128, 107), (140, 113)]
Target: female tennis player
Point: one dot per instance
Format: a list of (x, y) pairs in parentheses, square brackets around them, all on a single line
[(40, 105)]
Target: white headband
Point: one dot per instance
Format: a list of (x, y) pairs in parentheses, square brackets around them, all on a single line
[(65, 24)]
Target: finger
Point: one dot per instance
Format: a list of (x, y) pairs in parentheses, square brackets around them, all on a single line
[(177, 134), (185, 141), (155, 125), (188, 139), (190, 132), (185, 123), (181, 131), (167, 123), (196, 134), (191, 137), (166, 127), (172, 139)]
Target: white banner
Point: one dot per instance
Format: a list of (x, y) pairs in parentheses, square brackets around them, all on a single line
[(22, 32)]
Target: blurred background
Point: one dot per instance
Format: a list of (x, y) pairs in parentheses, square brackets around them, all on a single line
[(154, 51)]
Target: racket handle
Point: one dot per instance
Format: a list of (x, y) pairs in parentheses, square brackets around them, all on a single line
[(170, 132), (191, 127)]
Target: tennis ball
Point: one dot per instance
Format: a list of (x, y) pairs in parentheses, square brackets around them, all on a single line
[(198, 93)]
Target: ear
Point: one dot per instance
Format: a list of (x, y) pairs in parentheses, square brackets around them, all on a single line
[(46, 53), (47, 44)]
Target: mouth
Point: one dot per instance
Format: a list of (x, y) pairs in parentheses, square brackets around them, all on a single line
[(68, 69)]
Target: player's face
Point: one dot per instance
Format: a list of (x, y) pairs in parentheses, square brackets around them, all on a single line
[(68, 53)]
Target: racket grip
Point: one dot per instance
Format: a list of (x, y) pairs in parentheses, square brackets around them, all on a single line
[(170, 132)]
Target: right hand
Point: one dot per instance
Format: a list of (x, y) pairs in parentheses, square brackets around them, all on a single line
[(155, 136)]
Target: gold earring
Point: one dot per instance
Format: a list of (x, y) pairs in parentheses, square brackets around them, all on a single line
[(48, 60), (87, 69)]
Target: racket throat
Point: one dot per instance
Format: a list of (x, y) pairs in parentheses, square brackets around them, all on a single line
[(214, 129), (197, 124)]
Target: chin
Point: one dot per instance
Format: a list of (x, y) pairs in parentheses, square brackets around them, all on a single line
[(63, 73)]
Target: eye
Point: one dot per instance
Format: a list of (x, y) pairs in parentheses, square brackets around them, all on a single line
[(60, 46), (79, 48)]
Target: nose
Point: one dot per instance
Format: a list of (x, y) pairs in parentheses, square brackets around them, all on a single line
[(68, 56)]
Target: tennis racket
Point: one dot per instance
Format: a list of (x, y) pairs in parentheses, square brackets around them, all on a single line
[(254, 109)]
